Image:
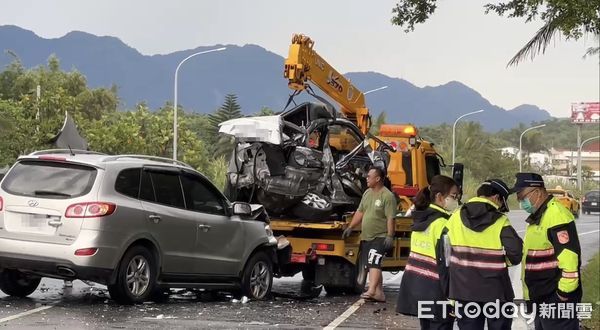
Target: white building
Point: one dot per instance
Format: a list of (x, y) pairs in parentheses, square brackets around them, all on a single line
[(540, 160)]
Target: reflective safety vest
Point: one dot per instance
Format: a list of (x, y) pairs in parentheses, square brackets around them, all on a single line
[(424, 278), (422, 258), (478, 268), (546, 271)]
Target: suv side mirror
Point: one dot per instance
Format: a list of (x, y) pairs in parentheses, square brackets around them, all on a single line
[(458, 176), (240, 208)]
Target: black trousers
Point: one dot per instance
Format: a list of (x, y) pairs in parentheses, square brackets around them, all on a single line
[(427, 324), (559, 324), (478, 322), (543, 321)]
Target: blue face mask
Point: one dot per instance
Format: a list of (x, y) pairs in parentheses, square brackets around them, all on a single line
[(527, 206)]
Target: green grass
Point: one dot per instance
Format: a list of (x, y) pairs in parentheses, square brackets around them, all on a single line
[(590, 279)]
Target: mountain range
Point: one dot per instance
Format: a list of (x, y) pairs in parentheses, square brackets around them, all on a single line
[(251, 72)]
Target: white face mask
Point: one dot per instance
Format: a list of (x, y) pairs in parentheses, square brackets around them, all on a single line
[(450, 204)]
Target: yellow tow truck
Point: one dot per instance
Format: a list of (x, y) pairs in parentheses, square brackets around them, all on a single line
[(317, 249)]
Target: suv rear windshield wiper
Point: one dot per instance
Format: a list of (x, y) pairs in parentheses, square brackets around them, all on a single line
[(53, 193)]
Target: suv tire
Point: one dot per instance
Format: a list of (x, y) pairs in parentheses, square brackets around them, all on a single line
[(17, 284), (139, 265), (257, 278)]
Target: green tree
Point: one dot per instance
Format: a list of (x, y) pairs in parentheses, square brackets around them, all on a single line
[(265, 111), (570, 18), (476, 149), (379, 120), (148, 133), (223, 145)]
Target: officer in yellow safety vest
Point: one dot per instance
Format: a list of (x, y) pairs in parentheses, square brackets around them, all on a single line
[(482, 246), (551, 256), (425, 276)]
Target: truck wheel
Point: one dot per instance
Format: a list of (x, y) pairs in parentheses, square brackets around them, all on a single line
[(257, 278), (136, 277), (335, 290), (17, 284), (313, 207)]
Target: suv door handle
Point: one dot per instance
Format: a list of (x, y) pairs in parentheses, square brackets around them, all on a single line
[(154, 218), (204, 228)]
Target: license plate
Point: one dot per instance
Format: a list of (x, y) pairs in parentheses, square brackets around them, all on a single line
[(594, 204), (34, 221)]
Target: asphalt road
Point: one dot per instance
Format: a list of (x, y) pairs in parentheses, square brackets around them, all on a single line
[(89, 307)]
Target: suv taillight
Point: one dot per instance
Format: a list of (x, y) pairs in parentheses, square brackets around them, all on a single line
[(90, 210), (1, 203)]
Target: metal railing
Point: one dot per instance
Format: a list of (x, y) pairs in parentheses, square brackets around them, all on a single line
[(64, 151)]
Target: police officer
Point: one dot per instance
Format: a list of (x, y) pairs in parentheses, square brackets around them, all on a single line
[(425, 275), (483, 245), (551, 255)]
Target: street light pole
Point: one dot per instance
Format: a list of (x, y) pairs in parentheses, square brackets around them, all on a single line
[(175, 126), (375, 90), (454, 133), (521, 144), (579, 185)]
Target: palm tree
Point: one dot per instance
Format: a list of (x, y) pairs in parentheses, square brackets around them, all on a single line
[(591, 51), (542, 39), (538, 43)]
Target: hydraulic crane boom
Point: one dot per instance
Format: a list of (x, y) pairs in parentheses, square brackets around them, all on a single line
[(304, 64)]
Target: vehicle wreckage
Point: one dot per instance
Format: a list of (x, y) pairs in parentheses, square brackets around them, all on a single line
[(304, 163)]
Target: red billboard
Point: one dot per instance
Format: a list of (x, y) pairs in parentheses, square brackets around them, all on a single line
[(585, 112)]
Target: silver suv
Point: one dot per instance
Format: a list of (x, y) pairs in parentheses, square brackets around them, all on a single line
[(137, 224)]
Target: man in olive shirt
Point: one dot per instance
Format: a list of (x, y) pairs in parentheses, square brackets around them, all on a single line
[(376, 213)]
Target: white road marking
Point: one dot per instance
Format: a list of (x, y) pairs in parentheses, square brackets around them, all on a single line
[(589, 232), (336, 323), (29, 312)]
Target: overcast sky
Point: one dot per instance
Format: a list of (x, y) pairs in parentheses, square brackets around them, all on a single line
[(459, 42)]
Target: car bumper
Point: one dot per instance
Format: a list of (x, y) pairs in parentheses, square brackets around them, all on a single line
[(55, 268), (58, 260), (593, 208)]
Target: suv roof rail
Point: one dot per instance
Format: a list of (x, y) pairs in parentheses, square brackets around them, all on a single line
[(154, 158), (65, 151)]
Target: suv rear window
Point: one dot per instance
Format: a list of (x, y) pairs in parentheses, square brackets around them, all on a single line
[(49, 179)]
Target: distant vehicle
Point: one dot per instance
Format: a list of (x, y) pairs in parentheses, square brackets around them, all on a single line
[(567, 199), (138, 224), (591, 202)]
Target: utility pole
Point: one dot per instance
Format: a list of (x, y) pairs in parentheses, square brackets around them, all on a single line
[(38, 94), (579, 156)]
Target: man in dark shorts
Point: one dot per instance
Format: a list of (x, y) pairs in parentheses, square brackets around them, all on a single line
[(376, 213)]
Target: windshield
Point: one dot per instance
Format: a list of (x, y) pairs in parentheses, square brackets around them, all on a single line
[(49, 179)]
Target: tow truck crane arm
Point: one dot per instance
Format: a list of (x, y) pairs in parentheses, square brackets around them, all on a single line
[(304, 64)]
